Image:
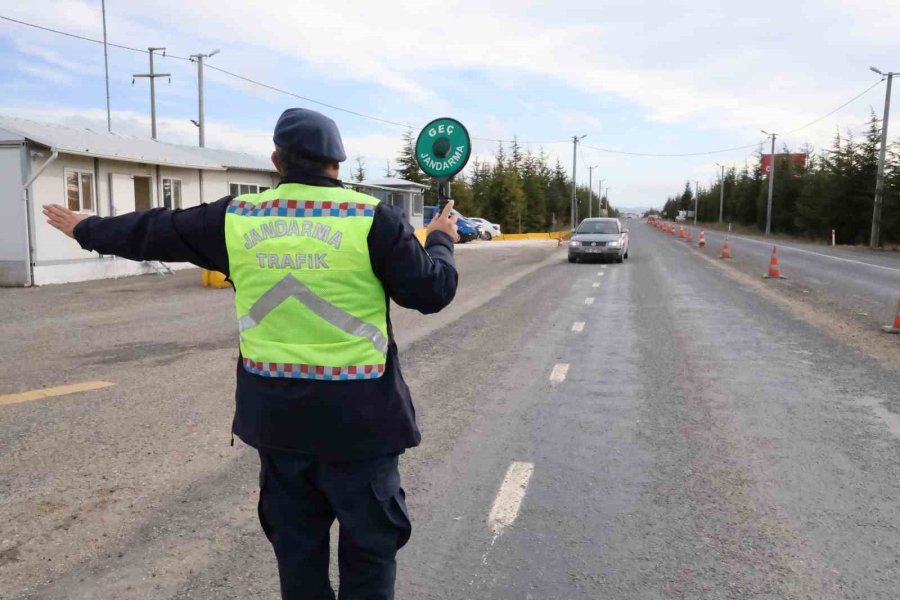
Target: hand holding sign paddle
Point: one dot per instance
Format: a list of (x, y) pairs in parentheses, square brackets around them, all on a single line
[(445, 222)]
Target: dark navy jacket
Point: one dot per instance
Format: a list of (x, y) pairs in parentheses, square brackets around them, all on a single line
[(332, 420)]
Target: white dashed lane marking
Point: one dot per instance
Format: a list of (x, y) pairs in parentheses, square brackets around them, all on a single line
[(559, 372), (588, 300), (595, 284), (509, 498), (578, 326)]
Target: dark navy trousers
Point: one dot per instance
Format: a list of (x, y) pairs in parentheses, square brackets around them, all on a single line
[(300, 497)]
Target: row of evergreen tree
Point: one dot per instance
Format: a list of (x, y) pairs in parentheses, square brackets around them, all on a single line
[(520, 190), (834, 189)]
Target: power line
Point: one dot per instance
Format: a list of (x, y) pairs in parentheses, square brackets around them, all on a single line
[(523, 142), (320, 103), (747, 146), (229, 73), (844, 105), (71, 35), (407, 126), (622, 152)]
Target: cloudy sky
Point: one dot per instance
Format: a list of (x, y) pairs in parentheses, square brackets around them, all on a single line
[(638, 76)]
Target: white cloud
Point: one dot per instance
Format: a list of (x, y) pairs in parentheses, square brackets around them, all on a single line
[(705, 62), (720, 68), (47, 73)]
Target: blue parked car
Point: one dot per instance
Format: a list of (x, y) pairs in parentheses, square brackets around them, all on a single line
[(466, 229)]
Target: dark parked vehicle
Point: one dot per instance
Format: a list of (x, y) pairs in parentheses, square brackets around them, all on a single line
[(466, 229), (599, 239)]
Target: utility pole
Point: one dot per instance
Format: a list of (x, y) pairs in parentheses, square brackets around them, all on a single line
[(201, 119), (106, 67), (696, 199), (575, 139), (771, 185), (606, 195), (152, 75), (879, 181), (721, 192), (591, 191), (600, 196)]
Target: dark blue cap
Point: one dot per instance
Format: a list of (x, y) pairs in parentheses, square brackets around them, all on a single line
[(312, 133)]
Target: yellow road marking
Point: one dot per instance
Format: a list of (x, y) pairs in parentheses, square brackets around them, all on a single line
[(54, 391)]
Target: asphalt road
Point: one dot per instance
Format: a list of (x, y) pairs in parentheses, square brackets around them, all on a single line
[(665, 428), (858, 283)]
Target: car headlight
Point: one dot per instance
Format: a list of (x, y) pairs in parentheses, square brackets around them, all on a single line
[(614, 244), (574, 243)]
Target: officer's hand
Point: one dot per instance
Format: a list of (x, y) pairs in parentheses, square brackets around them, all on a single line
[(445, 222), (63, 219)]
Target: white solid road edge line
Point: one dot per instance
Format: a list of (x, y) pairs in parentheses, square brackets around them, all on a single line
[(578, 326), (803, 251), (509, 498), (588, 300), (559, 372)]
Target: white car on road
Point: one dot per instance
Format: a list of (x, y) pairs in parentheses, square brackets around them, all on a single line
[(487, 229)]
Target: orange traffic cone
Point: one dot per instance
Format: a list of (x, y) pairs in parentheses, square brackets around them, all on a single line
[(681, 233), (702, 242), (895, 328), (774, 270), (726, 249)]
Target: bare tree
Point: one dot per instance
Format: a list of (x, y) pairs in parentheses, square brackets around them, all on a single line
[(359, 174)]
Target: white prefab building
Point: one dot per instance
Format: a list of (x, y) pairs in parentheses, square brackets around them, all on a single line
[(102, 174), (408, 195)]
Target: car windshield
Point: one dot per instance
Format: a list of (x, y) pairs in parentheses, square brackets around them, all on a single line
[(598, 227)]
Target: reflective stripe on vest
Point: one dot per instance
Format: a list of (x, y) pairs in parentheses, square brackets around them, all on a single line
[(320, 373), (290, 287), (308, 304)]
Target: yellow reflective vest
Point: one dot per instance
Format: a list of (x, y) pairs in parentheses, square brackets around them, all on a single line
[(308, 304)]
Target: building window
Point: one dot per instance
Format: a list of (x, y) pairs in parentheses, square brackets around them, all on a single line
[(171, 190), (80, 191), (396, 199), (418, 204), (239, 189)]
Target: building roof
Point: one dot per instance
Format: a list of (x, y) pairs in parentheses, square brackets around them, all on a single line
[(113, 146), (231, 159), (392, 182)]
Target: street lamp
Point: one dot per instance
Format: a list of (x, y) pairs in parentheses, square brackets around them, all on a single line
[(591, 190), (600, 195), (874, 240), (575, 140), (721, 192), (696, 200), (771, 183), (201, 117)]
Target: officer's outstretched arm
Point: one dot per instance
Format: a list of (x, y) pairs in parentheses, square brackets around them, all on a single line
[(195, 235)]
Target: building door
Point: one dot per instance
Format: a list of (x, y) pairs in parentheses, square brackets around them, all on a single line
[(143, 200), (122, 187)]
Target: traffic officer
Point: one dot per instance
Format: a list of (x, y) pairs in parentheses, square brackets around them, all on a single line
[(319, 389)]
